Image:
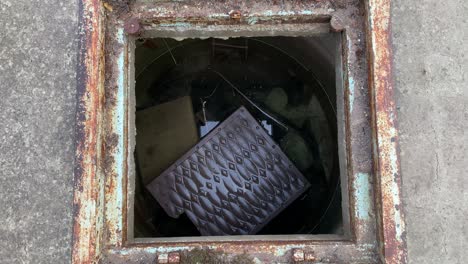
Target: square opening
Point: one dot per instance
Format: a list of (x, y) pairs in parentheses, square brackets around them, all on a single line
[(293, 88), (120, 57)]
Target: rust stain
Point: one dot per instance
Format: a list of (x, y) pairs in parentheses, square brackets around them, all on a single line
[(116, 130), (231, 12), (90, 77), (262, 251), (393, 239), (235, 14), (126, 155)]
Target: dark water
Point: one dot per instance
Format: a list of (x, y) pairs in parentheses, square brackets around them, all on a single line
[(273, 82)]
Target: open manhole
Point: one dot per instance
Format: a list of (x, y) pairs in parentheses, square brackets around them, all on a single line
[(186, 88), (310, 80)]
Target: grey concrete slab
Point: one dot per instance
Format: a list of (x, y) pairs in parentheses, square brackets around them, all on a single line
[(431, 80), (37, 100)]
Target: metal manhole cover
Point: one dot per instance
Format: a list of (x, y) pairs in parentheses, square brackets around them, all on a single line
[(233, 182)]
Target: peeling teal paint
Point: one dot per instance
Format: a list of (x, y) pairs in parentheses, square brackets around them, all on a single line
[(175, 24), (150, 250), (286, 13), (362, 196), (268, 13), (119, 124), (218, 15), (351, 93), (252, 20)]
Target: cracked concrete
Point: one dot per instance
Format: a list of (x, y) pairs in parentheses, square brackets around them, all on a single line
[(37, 101)]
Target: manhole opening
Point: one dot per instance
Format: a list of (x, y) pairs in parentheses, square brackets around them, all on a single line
[(185, 88)]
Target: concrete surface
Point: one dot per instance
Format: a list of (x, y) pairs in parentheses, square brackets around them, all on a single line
[(37, 102), (430, 43)]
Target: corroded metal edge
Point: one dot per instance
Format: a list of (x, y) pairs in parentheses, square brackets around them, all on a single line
[(89, 186), (386, 150), (87, 208), (115, 138), (262, 251), (362, 245)]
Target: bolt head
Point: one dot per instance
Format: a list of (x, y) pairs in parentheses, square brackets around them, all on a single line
[(132, 26)]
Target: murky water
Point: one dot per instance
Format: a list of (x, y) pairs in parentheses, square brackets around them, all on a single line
[(219, 75)]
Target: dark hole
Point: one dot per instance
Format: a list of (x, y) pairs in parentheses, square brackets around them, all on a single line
[(185, 88)]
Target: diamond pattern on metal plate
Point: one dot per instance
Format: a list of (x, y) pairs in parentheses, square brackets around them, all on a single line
[(233, 182)]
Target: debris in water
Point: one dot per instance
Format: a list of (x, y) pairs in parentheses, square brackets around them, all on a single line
[(165, 132), (233, 182)]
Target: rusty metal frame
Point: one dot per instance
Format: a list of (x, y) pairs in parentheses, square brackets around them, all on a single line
[(103, 192)]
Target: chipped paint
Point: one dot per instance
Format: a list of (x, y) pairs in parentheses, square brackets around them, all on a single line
[(306, 12), (218, 15), (252, 20), (263, 251), (87, 211), (363, 199), (286, 13), (116, 204), (393, 240), (151, 250), (268, 13), (351, 93), (176, 24)]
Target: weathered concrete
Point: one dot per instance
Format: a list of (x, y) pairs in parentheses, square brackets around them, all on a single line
[(37, 102), (431, 78)]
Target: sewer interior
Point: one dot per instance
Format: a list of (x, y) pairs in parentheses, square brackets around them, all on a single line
[(185, 88)]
